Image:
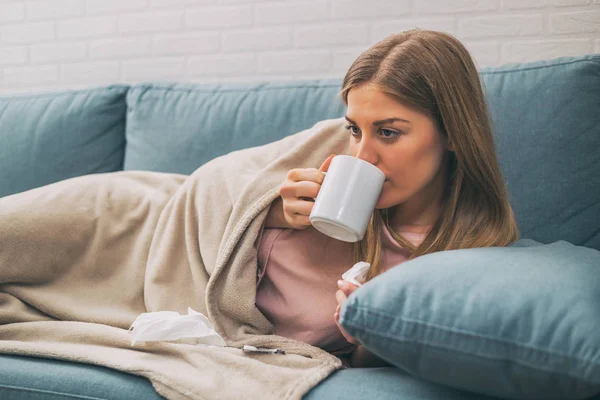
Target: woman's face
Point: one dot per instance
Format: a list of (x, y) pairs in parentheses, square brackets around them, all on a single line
[(401, 142)]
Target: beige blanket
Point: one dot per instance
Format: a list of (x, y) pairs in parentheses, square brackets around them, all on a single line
[(82, 258)]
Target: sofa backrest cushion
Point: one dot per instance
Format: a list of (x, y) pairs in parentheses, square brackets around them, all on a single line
[(48, 137), (546, 118), (179, 127), (547, 128)]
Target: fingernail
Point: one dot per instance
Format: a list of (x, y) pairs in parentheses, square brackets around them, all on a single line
[(340, 283)]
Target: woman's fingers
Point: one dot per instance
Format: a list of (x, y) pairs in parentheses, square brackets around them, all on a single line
[(300, 189), (306, 174), (298, 192), (299, 207), (340, 297), (325, 166), (300, 221), (346, 287)]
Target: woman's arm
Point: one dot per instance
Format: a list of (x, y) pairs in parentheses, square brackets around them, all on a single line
[(363, 358)]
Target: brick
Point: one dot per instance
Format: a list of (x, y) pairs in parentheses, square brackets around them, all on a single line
[(343, 59), (189, 43), (295, 62), (12, 12), (575, 22), (54, 9), (178, 3), (255, 40), (221, 17), (123, 47), (71, 51), (51, 88), (90, 72), (154, 69), (166, 3), (522, 4), (370, 9), (95, 7), (544, 49), (569, 3), (424, 7), (484, 54), (291, 12), (13, 55), (151, 22), (29, 32), (236, 79), (383, 29), (30, 75), (506, 25), (331, 35), (87, 27), (222, 65), (239, 1)]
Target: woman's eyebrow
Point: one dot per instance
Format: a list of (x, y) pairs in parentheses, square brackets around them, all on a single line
[(382, 121)]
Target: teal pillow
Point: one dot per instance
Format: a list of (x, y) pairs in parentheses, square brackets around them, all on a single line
[(520, 322), (179, 127), (48, 137)]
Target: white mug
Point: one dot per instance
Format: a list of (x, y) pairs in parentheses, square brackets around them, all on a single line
[(347, 198)]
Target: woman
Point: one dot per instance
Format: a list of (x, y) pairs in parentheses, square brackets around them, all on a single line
[(416, 110)]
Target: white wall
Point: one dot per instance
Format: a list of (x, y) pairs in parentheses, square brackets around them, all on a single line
[(48, 44)]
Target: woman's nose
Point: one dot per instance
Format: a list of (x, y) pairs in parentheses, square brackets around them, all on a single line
[(367, 153)]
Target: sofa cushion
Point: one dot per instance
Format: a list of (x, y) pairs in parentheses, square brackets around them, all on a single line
[(547, 121), (28, 378), (382, 384), (55, 379), (519, 322), (179, 127), (45, 138)]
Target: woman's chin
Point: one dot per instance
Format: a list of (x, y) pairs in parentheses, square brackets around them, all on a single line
[(382, 203), (386, 201)]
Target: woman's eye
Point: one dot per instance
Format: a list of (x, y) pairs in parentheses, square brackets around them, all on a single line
[(353, 129), (388, 134)]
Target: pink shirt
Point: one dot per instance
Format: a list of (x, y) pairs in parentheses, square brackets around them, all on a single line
[(298, 272)]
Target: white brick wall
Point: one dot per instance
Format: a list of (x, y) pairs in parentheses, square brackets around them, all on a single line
[(51, 44)]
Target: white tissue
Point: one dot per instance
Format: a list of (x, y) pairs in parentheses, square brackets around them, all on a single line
[(170, 325), (357, 275)]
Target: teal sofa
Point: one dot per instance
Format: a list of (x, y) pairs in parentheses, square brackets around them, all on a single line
[(546, 119)]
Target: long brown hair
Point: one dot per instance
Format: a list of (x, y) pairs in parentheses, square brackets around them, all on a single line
[(434, 73)]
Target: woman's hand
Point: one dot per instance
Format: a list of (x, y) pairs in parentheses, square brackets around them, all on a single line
[(361, 357), (346, 289), (298, 192)]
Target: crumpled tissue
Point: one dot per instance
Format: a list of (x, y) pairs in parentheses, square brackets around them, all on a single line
[(357, 275), (170, 325)]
